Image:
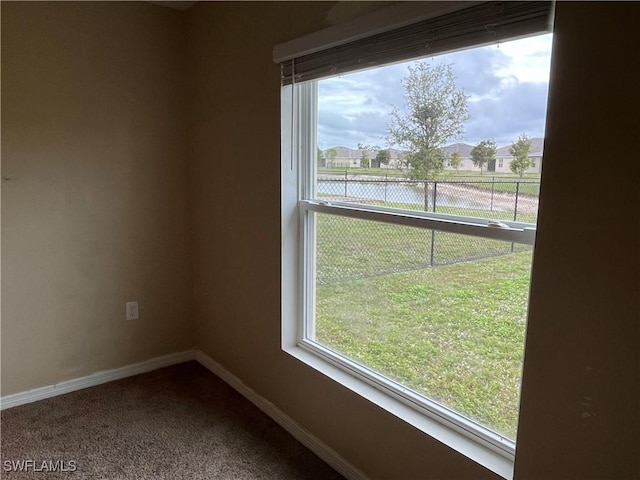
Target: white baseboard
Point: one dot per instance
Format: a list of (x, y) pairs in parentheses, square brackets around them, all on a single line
[(305, 437), (97, 378)]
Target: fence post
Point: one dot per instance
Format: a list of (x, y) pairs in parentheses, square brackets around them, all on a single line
[(426, 196), (345, 183), (515, 208), (435, 188), (433, 232)]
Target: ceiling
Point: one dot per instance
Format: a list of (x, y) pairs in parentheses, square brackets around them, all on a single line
[(178, 5)]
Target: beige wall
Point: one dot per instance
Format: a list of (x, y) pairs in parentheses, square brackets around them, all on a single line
[(236, 116), (580, 400), (96, 212), (582, 314)]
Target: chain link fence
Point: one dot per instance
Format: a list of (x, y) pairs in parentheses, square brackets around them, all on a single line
[(350, 248)]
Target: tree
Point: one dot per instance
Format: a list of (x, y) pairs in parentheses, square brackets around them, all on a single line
[(383, 157), (520, 151), (322, 161), (365, 159), (425, 165), (456, 160), (483, 153), (435, 112), (331, 155)]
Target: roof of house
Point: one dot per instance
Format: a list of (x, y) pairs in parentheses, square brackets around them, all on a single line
[(346, 152), (535, 150), (464, 149)]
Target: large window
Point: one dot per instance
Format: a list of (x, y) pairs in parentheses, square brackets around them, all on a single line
[(412, 253)]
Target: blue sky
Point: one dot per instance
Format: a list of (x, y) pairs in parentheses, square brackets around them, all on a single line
[(507, 87)]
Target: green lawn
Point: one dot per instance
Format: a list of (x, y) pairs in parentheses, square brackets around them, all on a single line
[(453, 332), (468, 212), (446, 174), (500, 184)]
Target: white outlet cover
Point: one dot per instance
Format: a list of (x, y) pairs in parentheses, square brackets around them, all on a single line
[(132, 310)]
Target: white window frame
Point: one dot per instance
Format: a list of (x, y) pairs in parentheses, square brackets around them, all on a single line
[(299, 122), (299, 135)]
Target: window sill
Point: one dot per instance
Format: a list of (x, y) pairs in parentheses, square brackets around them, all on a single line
[(464, 445)]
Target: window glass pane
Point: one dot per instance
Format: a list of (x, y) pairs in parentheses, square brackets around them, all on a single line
[(459, 133), (440, 313), (499, 198), (446, 327)]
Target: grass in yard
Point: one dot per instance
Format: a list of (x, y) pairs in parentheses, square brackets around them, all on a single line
[(487, 176), (454, 333), (522, 186), (350, 248), (525, 217)]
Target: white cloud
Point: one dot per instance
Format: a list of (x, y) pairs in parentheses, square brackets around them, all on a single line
[(507, 85), (528, 58)]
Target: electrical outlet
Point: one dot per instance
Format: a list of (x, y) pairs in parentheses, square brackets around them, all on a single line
[(132, 310)]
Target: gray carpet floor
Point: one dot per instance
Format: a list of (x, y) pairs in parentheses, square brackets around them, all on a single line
[(180, 422)]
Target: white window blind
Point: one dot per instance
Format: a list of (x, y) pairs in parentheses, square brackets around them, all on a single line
[(481, 24)]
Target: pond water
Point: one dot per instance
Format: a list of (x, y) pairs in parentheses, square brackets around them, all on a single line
[(401, 192)]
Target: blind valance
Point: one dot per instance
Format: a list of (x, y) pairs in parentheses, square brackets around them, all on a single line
[(481, 24)]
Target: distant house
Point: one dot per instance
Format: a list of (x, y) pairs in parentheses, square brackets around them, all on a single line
[(503, 157), (502, 161), (346, 157), (351, 158), (464, 150)]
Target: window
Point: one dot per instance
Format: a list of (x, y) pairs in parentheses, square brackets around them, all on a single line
[(501, 163), (412, 282)]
